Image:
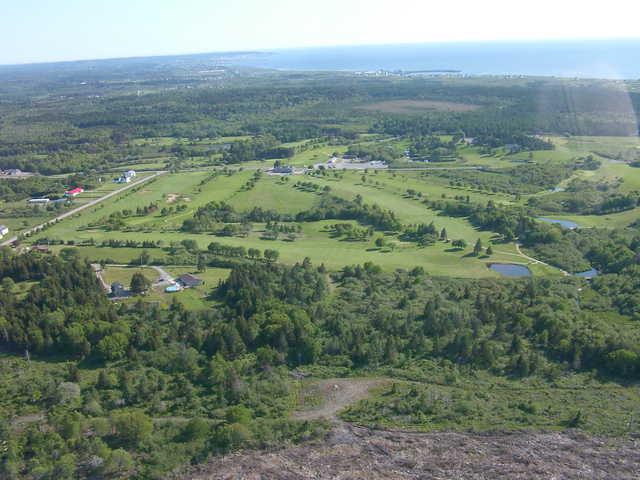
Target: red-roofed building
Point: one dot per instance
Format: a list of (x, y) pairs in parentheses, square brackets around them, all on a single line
[(73, 192)]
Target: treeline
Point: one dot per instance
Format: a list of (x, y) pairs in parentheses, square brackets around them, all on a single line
[(530, 178), (335, 208), (91, 133), (372, 152), (575, 251), (516, 110), (509, 222), (606, 250), (518, 140), (20, 189), (211, 216), (433, 148), (587, 198), (65, 312), (263, 147)]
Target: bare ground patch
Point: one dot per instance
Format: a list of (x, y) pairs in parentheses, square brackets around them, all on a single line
[(359, 453), (326, 398), (175, 197), (417, 106)]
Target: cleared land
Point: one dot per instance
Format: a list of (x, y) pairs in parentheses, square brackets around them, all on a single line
[(183, 193), (327, 397), (418, 106), (352, 452)]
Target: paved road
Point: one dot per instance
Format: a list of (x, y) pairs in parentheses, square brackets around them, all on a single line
[(82, 207)]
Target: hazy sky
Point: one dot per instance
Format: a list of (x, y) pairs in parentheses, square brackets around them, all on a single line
[(47, 30)]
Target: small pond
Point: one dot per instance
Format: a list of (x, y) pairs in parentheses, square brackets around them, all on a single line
[(510, 269), (563, 223), (588, 274)]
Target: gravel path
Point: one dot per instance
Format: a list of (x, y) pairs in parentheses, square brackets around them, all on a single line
[(336, 394)]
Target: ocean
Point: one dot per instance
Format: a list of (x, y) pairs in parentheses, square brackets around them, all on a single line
[(611, 59)]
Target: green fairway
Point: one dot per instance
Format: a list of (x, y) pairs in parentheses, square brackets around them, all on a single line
[(181, 194), (270, 193), (388, 190)]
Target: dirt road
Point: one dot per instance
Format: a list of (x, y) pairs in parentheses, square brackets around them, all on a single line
[(334, 395)]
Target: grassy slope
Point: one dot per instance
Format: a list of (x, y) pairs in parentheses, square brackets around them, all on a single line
[(315, 242)]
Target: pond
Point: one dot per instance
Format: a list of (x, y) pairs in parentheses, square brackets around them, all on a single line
[(563, 223), (510, 269), (588, 274)]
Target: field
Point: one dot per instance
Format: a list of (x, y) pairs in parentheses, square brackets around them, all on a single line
[(418, 106), (36, 215), (387, 189), (314, 241)]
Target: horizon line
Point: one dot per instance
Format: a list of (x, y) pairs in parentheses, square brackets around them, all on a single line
[(352, 45)]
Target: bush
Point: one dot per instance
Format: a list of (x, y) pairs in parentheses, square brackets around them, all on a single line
[(132, 426)]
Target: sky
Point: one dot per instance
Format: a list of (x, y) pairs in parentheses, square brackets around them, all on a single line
[(53, 30)]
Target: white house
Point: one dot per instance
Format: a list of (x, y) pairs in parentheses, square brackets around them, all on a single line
[(122, 179), (3, 230), (130, 173), (39, 200)]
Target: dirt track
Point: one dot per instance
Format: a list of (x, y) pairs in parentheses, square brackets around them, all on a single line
[(336, 394), (359, 453)]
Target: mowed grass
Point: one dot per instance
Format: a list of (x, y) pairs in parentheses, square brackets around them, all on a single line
[(315, 241), (197, 298), (112, 274), (612, 172), (390, 195), (155, 191), (613, 220), (626, 147), (211, 276), (270, 193), (315, 155)]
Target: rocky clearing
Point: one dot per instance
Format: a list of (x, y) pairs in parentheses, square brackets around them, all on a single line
[(360, 453), (352, 452)]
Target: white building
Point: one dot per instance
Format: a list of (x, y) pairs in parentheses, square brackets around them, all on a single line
[(130, 173), (38, 201), (3, 230)]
